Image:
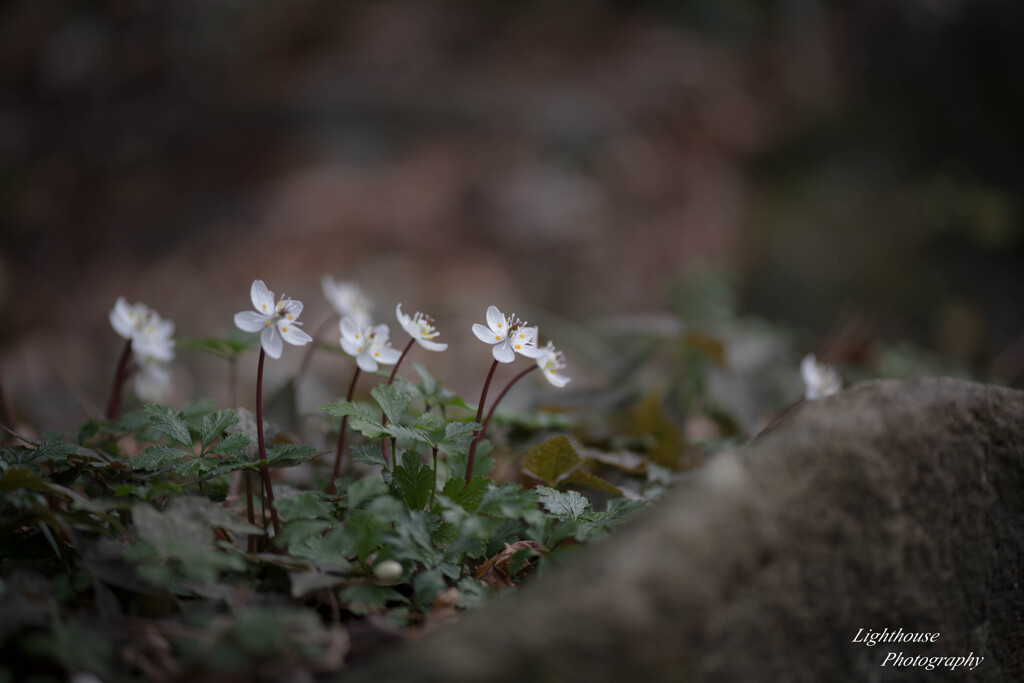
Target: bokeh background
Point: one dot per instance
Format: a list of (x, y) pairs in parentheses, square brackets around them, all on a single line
[(848, 171)]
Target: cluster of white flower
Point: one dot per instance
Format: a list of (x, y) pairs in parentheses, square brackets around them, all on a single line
[(820, 380), (152, 346)]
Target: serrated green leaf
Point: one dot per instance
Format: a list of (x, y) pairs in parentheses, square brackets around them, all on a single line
[(429, 422), (214, 424), (460, 432), (169, 423), (56, 450), (290, 454), (232, 444), (413, 481), (363, 533), (328, 551), (371, 429), (196, 466), (402, 432), (18, 455), (550, 460), (305, 504), (467, 495), (154, 458), (350, 408), (562, 504), (362, 490), (391, 400), (368, 454)]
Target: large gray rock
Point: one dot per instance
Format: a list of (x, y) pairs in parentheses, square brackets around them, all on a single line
[(895, 504)]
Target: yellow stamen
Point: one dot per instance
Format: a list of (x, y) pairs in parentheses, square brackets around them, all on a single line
[(499, 326), (267, 323), (497, 337), (291, 317), (518, 347), (284, 329)]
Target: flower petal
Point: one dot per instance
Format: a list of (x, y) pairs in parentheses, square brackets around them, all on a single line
[(351, 347), (556, 379), (403, 320), (121, 318), (366, 362), (381, 333), (503, 352), (387, 355), (485, 335), (530, 351), (271, 340), (431, 345), (496, 321), (250, 321), (349, 328), (262, 298), (293, 334)]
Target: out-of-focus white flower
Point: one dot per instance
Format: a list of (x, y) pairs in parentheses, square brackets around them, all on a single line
[(275, 321), (388, 570), (550, 363), (820, 380), (152, 380), (421, 328), (369, 345), (508, 335), (348, 299), (151, 335)]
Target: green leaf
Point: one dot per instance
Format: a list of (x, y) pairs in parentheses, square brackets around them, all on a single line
[(362, 490), (402, 432), (429, 422), (350, 408), (290, 455), (232, 444), (364, 599), (368, 454), (550, 460), (169, 423), (22, 478), (196, 466), (413, 481), (426, 586), (466, 495), (371, 429), (56, 450), (562, 504), (305, 504), (584, 478), (328, 551), (392, 401), (363, 533), (305, 582), (154, 458), (460, 432), (214, 424)]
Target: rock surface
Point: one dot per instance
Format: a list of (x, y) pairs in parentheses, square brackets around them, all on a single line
[(894, 504)]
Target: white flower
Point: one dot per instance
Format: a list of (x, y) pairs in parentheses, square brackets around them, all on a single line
[(821, 380), (348, 299), (509, 336), (274, 321), (152, 380), (149, 333), (421, 328), (367, 344), (551, 362)]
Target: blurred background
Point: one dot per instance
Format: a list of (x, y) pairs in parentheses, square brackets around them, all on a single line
[(849, 172)]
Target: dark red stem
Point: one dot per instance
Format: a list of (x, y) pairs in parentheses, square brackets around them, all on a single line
[(264, 467), (119, 375), (479, 414), (341, 435), (490, 413), (391, 379)]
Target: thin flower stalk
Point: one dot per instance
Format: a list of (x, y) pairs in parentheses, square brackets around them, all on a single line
[(264, 467), (339, 454), (490, 413), (479, 414)]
